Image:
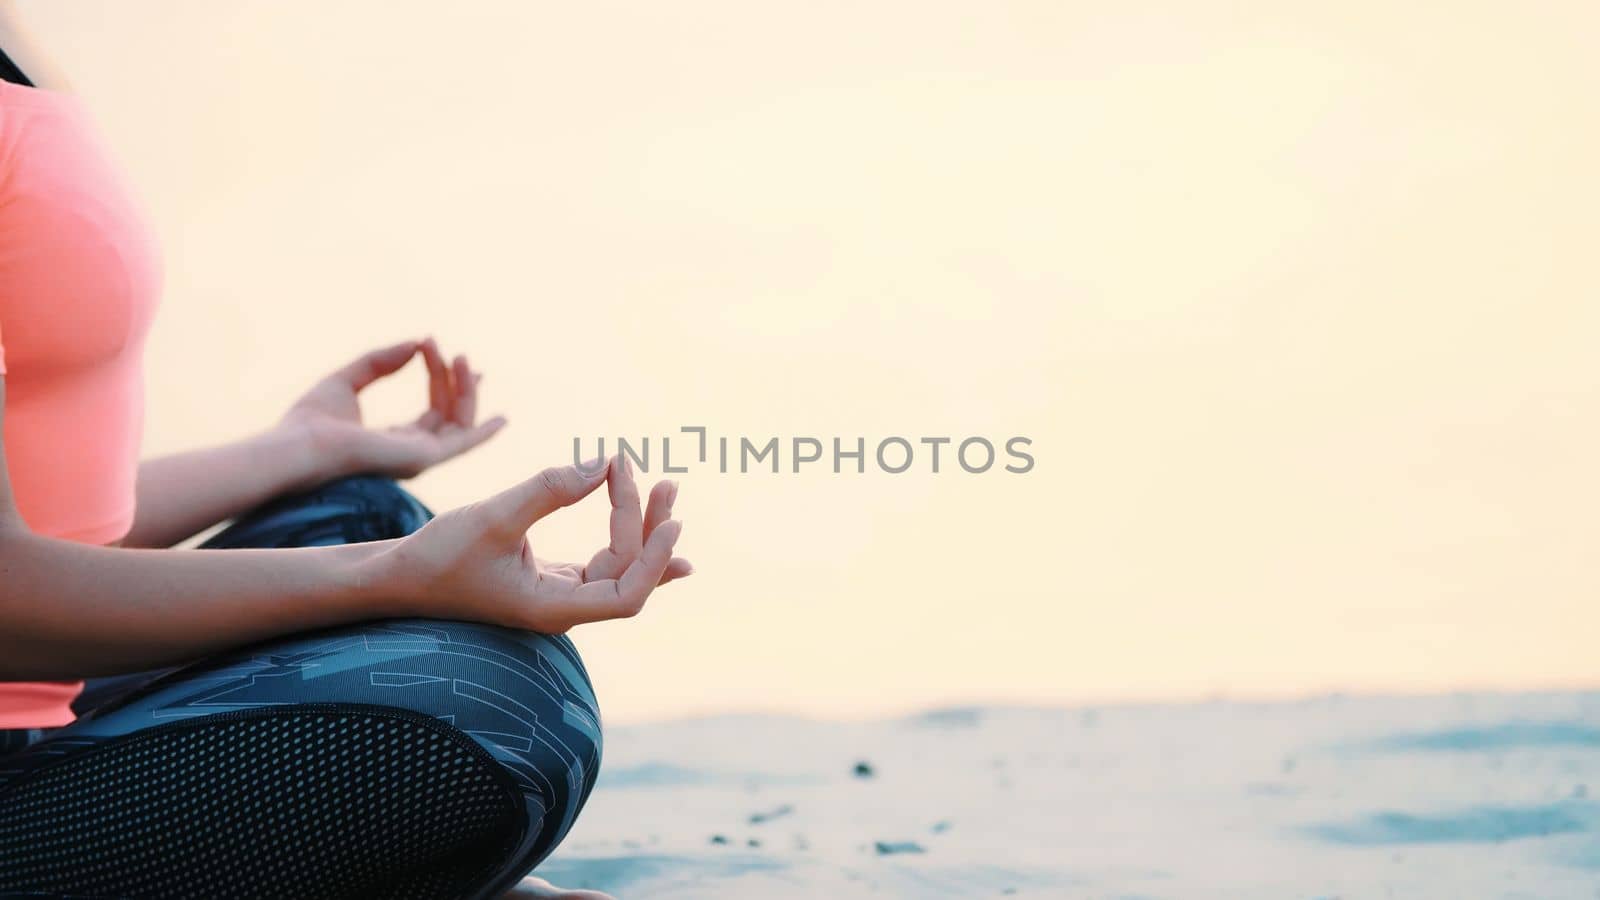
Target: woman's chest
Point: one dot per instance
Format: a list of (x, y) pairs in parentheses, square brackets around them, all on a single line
[(80, 270)]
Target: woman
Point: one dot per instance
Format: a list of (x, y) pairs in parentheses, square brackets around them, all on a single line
[(370, 702)]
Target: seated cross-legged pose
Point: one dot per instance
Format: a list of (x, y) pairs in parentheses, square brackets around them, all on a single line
[(337, 696)]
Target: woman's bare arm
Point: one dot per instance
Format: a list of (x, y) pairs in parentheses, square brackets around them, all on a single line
[(185, 493), (69, 610)]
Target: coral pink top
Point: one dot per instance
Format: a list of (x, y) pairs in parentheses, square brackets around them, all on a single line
[(79, 281)]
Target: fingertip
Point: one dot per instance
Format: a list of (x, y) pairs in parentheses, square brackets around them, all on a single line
[(398, 355), (490, 427), (669, 531), (430, 352), (594, 469)]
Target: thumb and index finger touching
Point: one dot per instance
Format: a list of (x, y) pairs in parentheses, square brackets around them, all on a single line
[(376, 364), (624, 592), (385, 361)]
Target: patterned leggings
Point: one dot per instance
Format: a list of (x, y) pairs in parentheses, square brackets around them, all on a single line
[(408, 759)]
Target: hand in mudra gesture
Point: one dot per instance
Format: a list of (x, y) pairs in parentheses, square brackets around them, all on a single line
[(330, 416), (477, 563)]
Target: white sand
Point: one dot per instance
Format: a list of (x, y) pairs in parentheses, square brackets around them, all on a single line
[(1461, 796)]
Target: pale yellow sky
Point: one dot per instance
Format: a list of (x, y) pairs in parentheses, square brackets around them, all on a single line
[(1296, 301)]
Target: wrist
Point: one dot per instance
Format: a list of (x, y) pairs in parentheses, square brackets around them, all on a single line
[(380, 583), (312, 458)]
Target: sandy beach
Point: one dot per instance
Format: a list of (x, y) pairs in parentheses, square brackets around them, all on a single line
[(1484, 796)]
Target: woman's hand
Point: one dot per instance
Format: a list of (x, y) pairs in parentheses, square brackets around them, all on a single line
[(476, 563), (329, 416)]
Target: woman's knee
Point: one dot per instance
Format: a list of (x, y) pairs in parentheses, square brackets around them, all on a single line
[(525, 699), (350, 510), (391, 510), (510, 686), (381, 493)]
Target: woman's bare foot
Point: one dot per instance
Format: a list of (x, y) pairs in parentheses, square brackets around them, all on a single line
[(533, 888)]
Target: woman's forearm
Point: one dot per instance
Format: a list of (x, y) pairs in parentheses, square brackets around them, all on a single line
[(72, 610), (186, 493)]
